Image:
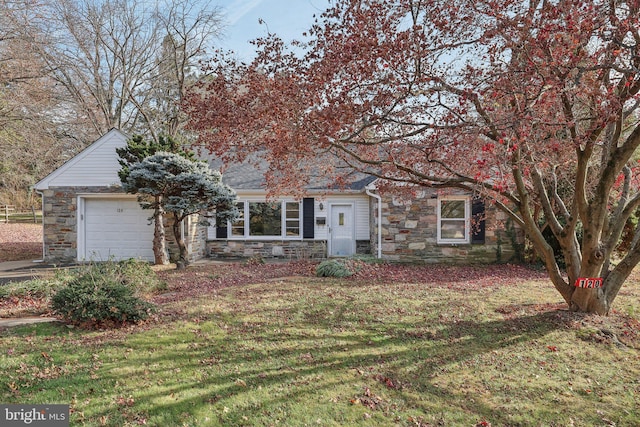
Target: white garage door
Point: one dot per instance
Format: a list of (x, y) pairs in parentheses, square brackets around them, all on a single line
[(116, 229)]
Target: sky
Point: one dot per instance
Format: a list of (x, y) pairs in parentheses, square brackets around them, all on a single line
[(286, 18)]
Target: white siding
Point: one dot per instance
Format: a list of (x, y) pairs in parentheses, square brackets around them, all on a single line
[(97, 165), (361, 213), (362, 218), (321, 232)]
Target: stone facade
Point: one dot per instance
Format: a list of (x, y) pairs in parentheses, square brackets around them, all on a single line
[(195, 237), (286, 249), (60, 225), (409, 234), (363, 247), (60, 222)]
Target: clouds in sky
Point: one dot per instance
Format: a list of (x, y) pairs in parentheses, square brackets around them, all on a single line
[(239, 8), (286, 18)]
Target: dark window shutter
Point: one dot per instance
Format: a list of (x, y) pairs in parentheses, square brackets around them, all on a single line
[(477, 221), (308, 215), (221, 229)]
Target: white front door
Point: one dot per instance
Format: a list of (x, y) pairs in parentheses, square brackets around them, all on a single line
[(341, 239)]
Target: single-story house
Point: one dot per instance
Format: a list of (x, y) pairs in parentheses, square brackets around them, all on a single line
[(87, 216)]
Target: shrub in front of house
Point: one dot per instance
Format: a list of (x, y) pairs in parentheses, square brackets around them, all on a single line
[(135, 273), (334, 268), (345, 267), (102, 295)]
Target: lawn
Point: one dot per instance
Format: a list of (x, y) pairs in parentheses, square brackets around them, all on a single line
[(263, 345)]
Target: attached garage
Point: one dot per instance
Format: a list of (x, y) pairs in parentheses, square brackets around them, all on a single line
[(113, 229), (87, 216)]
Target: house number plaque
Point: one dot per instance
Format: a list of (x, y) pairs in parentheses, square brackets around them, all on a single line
[(588, 282)]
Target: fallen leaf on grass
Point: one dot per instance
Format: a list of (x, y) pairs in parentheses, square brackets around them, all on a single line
[(125, 401), (307, 357), (368, 399), (387, 381)]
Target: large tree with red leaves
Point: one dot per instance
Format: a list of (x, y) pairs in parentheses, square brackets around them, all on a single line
[(533, 105)]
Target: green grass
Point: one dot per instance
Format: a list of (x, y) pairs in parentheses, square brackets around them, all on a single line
[(332, 352)]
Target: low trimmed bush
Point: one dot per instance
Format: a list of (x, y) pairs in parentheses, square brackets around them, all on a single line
[(333, 268), (103, 295), (135, 273)]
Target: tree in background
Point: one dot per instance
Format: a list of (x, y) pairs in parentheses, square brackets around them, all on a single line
[(531, 105), (112, 56), (136, 150), (71, 70), (168, 182), (32, 140)]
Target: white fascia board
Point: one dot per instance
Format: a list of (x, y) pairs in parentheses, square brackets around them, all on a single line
[(43, 184)]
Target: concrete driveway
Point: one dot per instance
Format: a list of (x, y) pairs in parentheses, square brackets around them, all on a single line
[(17, 271)]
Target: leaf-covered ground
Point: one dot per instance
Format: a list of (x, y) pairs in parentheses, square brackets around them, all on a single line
[(205, 278), (20, 241), (619, 327), (243, 343), (271, 344), (23, 241)]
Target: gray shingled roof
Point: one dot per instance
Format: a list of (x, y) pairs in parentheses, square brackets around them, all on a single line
[(249, 175)]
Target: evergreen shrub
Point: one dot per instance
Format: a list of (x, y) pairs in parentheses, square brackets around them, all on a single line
[(334, 268), (104, 294)]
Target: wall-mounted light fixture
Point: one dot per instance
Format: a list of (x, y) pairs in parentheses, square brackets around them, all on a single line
[(321, 206)]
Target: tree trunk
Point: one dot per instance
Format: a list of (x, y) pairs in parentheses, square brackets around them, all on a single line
[(183, 260), (586, 300), (589, 301), (159, 242)]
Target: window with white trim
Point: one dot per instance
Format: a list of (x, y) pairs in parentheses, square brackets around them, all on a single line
[(292, 219), (237, 226), (265, 219), (262, 219), (454, 213)]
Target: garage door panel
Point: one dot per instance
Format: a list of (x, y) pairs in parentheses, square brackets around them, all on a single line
[(116, 229)]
